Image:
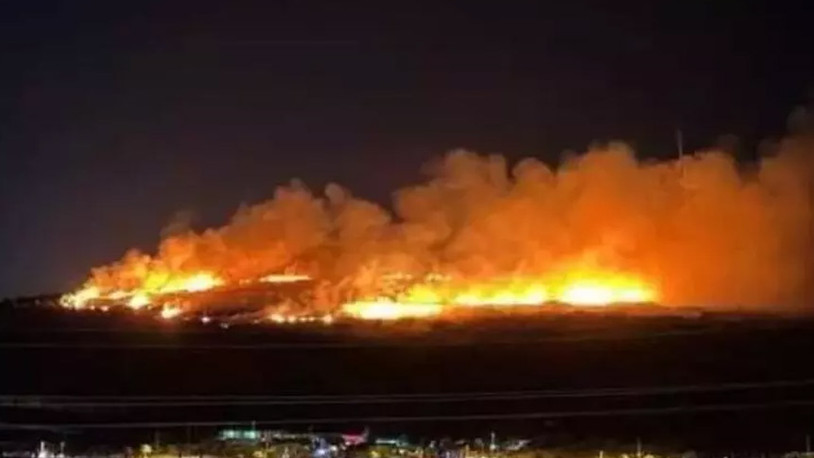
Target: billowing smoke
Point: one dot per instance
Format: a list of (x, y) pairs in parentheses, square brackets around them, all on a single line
[(703, 229)]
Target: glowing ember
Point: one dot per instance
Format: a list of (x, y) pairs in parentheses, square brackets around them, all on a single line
[(170, 312)]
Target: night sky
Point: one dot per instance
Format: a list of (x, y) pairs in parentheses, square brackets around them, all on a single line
[(115, 117)]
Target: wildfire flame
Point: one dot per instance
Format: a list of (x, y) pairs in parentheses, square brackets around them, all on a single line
[(141, 297), (579, 289), (384, 309), (146, 295), (602, 229), (138, 300), (423, 299), (81, 297), (170, 312), (284, 278)]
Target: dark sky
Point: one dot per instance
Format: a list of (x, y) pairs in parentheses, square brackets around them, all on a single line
[(117, 115)]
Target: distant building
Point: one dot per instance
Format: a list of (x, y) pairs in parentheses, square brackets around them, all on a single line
[(240, 435)]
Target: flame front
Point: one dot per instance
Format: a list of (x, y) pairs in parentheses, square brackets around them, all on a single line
[(143, 295), (385, 309), (432, 296), (577, 288), (157, 290)]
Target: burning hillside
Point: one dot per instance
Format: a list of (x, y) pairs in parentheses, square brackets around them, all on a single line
[(603, 228)]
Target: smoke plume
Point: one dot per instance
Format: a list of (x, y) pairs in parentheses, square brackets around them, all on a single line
[(703, 229)]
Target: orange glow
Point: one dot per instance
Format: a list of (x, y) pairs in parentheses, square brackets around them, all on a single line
[(385, 309), (117, 295), (532, 294), (282, 318), (601, 228), (595, 287), (578, 287), (170, 312), (284, 278), (589, 293), (154, 284), (201, 281), (80, 298), (425, 297), (138, 300)]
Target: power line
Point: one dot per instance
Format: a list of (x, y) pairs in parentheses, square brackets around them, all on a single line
[(424, 418), (35, 401)]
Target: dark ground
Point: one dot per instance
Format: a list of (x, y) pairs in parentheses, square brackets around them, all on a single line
[(51, 352)]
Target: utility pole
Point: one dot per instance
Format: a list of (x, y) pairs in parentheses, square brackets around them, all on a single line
[(638, 448), (808, 445), (680, 151)]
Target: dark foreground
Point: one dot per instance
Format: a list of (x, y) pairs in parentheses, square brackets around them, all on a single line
[(712, 382)]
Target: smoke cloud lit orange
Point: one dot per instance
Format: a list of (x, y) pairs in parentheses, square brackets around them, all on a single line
[(601, 228)]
